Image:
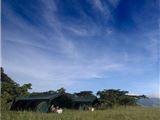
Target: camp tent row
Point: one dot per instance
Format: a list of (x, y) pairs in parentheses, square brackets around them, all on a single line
[(42, 103)]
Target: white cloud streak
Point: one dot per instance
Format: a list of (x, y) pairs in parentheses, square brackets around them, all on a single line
[(46, 56), (29, 58)]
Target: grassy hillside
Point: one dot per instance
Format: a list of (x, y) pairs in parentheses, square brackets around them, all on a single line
[(129, 113)]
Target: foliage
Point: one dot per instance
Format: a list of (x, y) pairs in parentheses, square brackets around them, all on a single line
[(50, 92), (84, 93), (10, 89), (42, 93), (112, 97), (61, 90)]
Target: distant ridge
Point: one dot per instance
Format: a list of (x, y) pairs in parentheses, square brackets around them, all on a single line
[(150, 102)]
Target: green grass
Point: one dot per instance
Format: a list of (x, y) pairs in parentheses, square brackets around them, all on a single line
[(129, 113)]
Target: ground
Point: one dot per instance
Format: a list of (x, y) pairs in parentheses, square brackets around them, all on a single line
[(128, 113)]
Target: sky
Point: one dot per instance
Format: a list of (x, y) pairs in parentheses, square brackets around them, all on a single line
[(82, 44)]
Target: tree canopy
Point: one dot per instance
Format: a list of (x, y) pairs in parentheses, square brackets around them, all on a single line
[(84, 93), (114, 97), (10, 89)]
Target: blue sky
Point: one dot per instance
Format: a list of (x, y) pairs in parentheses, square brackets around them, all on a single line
[(82, 44)]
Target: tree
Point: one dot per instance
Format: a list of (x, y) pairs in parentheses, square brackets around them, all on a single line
[(85, 93), (10, 89), (24, 89), (61, 90), (112, 97), (127, 100)]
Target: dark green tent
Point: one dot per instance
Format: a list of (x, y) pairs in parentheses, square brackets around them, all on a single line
[(39, 103), (84, 102), (43, 102)]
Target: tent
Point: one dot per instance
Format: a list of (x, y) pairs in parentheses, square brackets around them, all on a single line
[(35, 103), (83, 102), (43, 102)]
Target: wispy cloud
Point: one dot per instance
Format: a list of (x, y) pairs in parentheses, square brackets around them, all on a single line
[(60, 50), (114, 3), (98, 4), (46, 57)]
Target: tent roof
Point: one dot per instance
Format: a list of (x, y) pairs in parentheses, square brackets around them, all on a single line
[(40, 97), (74, 97)]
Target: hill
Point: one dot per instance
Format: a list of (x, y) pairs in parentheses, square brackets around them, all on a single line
[(150, 102)]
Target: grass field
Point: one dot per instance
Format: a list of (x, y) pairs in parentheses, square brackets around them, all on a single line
[(129, 113)]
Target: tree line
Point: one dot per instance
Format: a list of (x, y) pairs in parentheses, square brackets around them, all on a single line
[(106, 98)]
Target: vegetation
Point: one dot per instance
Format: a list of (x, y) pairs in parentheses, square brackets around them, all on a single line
[(106, 98), (10, 90), (112, 98), (123, 105), (121, 113)]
